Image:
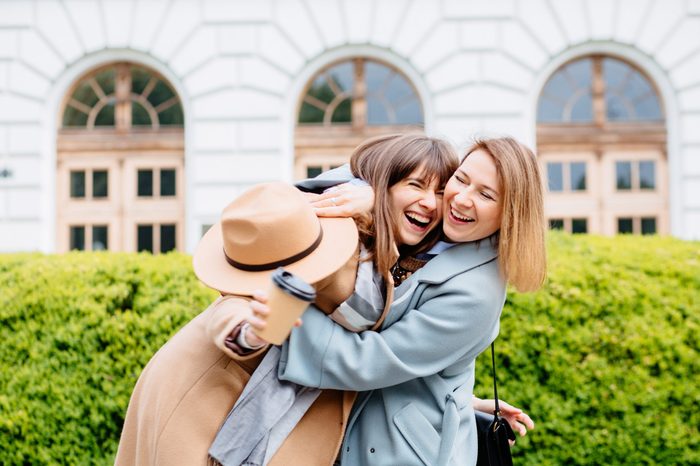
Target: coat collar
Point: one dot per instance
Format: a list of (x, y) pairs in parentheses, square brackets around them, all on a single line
[(457, 259)]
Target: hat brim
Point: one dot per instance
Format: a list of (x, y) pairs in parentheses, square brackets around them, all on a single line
[(337, 246)]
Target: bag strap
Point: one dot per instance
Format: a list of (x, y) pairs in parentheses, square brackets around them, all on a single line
[(497, 410)]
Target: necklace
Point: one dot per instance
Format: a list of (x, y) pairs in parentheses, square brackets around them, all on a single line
[(404, 268)]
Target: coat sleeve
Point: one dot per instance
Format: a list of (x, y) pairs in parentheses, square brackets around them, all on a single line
[(228, 312), (458, 321), (326, 179)]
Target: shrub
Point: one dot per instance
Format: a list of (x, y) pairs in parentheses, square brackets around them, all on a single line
[(76, 330), (605, 357)]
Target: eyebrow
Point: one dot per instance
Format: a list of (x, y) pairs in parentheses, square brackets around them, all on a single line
[(487, 187)]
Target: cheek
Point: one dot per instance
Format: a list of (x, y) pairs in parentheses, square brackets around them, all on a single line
[(495, 216), (439, 204)]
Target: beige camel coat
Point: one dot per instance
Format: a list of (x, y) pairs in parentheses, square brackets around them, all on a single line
[(186, 390)]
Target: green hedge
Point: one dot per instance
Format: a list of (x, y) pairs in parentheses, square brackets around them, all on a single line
[(605, 358), (76, 330)]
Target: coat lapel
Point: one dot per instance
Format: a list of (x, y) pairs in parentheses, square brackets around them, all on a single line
[(454, 261)]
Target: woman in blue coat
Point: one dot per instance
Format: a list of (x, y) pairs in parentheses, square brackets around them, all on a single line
[(416, 374)]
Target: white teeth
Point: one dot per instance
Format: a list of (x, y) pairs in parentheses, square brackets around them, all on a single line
[(418, 218), (461, 217)]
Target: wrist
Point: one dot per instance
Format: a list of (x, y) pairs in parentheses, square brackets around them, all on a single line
[(249, 341)]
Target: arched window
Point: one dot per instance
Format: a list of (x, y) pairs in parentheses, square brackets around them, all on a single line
[(601, 138), (120, 162), (598, 89), (347, 102), (122, 96)]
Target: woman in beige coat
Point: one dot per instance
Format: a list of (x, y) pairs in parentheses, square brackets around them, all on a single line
[(191, 383)]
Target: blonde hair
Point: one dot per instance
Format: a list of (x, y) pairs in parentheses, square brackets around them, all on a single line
[(521, 237), (384, 161)]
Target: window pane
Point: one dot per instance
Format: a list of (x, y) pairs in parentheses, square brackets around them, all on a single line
[(343, 75), (85, 94), (555, 176), (580, 72), (144, 239), (99, 238), (549, 110), (623, 175), (99, 183), (409, 113), (629, 95), (310, 114), (648, 225), (647, 176), (578, 176), (77, 238), (615, 73), (167, 238), (343, 112), (313, 172), (139, 115), (556, 224), (160, 93), (648, 108), (616, 107), (167, 182), (624, 225), (145, 183), (390, 97), (77, 184), (106, 116), (582, 110), (321, 90), (172, 116), (105, 79), (377, 113), (579, 225), (139, 80), (377, 77), (74, 117)]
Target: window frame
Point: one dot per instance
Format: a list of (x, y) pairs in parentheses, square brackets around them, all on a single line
[(122, 97)]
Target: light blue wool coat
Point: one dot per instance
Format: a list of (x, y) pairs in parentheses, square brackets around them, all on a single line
[(416, 374)]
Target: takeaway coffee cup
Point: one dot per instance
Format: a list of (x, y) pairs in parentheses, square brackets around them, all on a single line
[(288, 298)]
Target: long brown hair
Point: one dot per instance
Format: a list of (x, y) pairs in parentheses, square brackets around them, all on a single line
[(384, 161), (521, 237)]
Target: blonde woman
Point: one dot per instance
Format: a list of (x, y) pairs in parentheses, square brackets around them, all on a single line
[(416, 374)]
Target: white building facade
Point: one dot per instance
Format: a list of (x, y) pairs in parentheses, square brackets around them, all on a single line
[(128, 125)]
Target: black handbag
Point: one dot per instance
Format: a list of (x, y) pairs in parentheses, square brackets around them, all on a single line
[(493, 432)]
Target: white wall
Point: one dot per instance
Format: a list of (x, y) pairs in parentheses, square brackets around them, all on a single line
[(240, 65)]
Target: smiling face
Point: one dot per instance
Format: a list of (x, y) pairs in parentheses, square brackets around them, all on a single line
[(472, 203), (416, 204)]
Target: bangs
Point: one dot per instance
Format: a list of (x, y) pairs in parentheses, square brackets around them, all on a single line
[(439, 167), (430, 161)]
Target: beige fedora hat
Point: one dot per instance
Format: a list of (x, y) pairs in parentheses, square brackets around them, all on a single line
[(271, 225)]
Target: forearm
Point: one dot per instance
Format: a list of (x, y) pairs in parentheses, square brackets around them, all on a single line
[(324, 355)]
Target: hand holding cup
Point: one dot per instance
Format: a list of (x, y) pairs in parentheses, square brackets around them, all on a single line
[(276, 312)]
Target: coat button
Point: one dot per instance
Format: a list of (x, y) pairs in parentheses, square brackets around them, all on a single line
[(347, 448), (371, 450)]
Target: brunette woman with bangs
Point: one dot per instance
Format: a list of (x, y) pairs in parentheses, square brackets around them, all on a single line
[(399, 169), (415, 374)]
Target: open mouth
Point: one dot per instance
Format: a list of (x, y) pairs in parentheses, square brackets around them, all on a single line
[(420, 221), (462, 218)]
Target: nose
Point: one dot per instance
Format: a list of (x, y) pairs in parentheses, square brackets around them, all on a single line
[(429, 200), (465, 197)]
